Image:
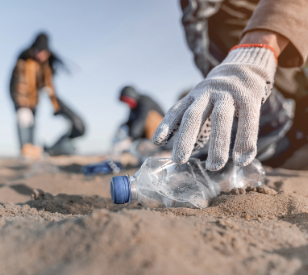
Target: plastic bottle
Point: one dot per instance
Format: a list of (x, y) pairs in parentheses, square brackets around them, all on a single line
[(163, 183)]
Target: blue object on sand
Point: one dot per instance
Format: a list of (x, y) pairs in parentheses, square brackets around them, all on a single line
[(106, 167)]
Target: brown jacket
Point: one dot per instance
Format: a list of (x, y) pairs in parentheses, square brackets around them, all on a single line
[(288, 18), (27, 78)]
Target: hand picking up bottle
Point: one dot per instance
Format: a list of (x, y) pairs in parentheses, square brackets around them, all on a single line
[(238, 86), (162, 183)]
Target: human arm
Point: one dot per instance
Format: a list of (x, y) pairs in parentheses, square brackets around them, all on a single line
[(288, 19), (49, 88), (275, 40), (238, 86), (53, 98)]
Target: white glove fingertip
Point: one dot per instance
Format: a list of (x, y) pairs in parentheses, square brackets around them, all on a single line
[(241, 159), (162, 135), (179, 158), (215, 165)]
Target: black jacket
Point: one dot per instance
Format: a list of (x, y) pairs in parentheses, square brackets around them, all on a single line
[(138, 116)]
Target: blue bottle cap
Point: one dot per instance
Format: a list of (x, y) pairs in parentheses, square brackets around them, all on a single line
[(120, 189)]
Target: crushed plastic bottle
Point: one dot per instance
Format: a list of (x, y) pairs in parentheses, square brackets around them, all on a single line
[(231, 176), (163, 183)]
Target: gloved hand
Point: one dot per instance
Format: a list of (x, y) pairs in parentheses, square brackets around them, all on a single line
[(238, 86), (25, 117)]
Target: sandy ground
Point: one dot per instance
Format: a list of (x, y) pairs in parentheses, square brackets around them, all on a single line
[(54, 220)]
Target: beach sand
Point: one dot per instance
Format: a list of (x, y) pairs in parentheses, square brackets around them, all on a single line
[(54, 220)]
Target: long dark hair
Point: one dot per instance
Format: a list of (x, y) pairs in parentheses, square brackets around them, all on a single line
[(55, 62)]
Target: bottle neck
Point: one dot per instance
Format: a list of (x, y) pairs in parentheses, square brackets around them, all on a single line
[(133, 189)]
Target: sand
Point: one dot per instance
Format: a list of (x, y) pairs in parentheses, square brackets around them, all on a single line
[(54, 220)]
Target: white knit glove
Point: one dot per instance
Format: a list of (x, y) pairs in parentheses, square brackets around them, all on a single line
[(238, 86)]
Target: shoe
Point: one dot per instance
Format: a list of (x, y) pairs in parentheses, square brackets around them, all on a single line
[(31, 151)]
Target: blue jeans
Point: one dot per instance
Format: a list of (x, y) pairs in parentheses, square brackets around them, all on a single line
[(26, 135)]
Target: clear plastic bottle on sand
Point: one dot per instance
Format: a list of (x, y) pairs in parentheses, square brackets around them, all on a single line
[(163, 183)]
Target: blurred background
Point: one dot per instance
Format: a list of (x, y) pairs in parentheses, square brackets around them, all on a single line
[(106, 45)]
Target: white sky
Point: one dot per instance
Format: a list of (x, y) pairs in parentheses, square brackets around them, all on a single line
[(107, 44)]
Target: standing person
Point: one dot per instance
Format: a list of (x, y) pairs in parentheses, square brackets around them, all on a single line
[(33, 72), (145, 114), (237, 46)]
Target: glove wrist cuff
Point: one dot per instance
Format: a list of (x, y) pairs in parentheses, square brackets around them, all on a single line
[(257, 54), (256, 46)]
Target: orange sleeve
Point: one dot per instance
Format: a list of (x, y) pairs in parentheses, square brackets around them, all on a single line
[(49, 84)]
